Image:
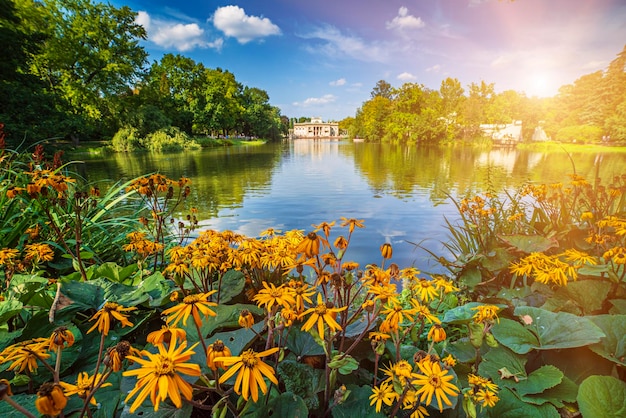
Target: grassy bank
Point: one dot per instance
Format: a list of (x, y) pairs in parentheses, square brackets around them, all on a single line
[(557, 146)]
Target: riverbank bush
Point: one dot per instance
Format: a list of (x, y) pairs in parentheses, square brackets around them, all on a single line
[(167, 139), (529, 322)]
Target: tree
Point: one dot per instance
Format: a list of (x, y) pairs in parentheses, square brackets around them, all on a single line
[(90, 54), (382, 89)]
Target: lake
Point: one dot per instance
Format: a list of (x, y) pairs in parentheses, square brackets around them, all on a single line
[(401, 192)]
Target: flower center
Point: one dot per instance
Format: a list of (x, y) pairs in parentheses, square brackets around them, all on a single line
[(435, 381), (164, 366), (249, 359), (191, 299), (321, 309)]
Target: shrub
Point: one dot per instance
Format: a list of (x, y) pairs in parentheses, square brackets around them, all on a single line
[(169, 139), (580, 134), (126, 139)]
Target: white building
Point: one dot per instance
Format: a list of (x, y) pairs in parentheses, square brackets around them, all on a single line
[(315, 129)]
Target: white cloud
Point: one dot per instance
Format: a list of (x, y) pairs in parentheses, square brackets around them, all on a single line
[(234, 22), (182, 37), (339, 82), (405, 21), (337, 45), (406, 76), (311, 101), (434, 69)]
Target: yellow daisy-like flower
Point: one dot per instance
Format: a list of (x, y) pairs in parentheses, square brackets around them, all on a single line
[(50, 399), (217, 349), (110, 310), (423, 312), (437, 333), (400, 371), (7, 255), (382, 394), (25, 355), (193, 305), (487, 398), (159, 375), (434, 381), (166, 334), (272, 295), (486, 313), (117, 354), (425, 290), (38, 252), (321, 314), (449, 360), (251, 371), (61, 338), (352, 223), (83, 385), (246, 319)]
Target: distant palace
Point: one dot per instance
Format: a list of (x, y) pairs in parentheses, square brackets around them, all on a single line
[(315, 129)]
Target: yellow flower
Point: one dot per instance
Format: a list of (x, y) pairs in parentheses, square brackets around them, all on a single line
[(38, 252), (25, 355), (288, 315), (449, 360), (481, 382), (166, 334), (117, 354), (302, 292), (272, 295), (193, 305), (400, 371), (382, 394), (246, 319), (159, 375), (83, 385), (423, 312), (310, 245), (7, 255), (486, 313), (386, 251), (352, 223), (50, 399), (110, 310), (61, 338), (251, 371), (437, 333), (217, 349), (320, 315), (425, 290), (434, 381), (396, 314), (487, 397)]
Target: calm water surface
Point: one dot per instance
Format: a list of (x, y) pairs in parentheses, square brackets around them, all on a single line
[(401, 192)]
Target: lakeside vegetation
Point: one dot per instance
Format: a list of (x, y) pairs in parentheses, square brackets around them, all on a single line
[(109, 310)]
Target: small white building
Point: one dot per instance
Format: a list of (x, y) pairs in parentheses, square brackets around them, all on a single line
[(505, 133), (316, 128)]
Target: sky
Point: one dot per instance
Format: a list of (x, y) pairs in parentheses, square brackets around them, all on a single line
[(322, 58)]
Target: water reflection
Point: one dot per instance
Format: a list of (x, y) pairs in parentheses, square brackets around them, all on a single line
[(401, 192)]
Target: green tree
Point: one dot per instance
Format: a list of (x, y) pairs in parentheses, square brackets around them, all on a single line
[(89, 56), (382, 89)]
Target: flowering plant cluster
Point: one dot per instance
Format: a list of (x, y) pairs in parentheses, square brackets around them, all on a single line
[(285, 324)]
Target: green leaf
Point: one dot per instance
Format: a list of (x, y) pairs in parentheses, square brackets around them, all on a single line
[(461, 314), (530, 243), (344, 364), (301, 343), (613, 345), (357, 404), (9, 308), (510, 406), (502, 358), (462, 350), (26, 401), (543, 378), (565, 391), (286, 405), (233, 283), (166, 410), (471, 276), (26, 287), (602, 396), (561, 329), (302, 380), (619, 306), (227, 316), (587, 295), (515, 336)]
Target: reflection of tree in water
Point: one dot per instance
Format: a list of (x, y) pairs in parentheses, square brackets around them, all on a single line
[(405, 171), (220, 177)]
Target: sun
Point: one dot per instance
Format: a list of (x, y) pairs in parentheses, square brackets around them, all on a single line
[(541, 84)]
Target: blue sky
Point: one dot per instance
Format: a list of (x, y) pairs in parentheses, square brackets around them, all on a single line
[(323, 57)]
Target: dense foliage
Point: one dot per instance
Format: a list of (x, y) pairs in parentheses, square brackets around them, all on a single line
[(108, 314), (590, 110), (75, 69)]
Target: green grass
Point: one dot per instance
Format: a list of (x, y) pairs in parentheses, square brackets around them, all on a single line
[(554, 146)]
